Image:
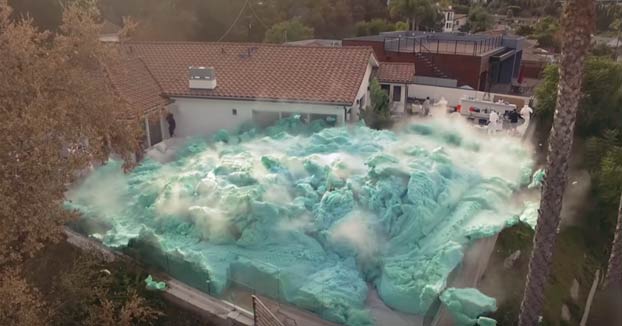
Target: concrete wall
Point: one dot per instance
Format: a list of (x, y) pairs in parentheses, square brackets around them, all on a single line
[(452, 95), (196, 116), (433, 81)]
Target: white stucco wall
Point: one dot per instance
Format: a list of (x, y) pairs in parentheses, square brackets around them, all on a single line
[(363, 92), (452, 95), (196, 116)]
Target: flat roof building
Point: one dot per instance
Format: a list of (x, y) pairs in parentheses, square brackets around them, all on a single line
[(450, 59)]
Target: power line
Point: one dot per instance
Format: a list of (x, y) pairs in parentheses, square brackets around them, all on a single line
[(256, 16), (234, 22)]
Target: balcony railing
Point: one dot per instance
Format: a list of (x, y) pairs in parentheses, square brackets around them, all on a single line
[(443, 43)]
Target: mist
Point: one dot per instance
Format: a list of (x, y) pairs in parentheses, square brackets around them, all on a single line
[(332, 211)]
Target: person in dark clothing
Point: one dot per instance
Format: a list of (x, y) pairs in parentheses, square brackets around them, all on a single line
[(171, 124), (513, 116)]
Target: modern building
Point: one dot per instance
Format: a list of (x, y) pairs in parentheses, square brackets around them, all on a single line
[(213, 86), (478, 61)]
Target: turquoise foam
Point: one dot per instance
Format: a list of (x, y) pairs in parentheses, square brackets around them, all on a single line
[(467, 305), (311, 215)]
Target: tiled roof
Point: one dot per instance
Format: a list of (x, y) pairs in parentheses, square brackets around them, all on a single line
[(258, 71), (396, 72), (134, 83)]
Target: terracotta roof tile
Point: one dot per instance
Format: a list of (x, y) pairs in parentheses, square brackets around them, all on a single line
[(396, 72), (133, 81), (258, 71)]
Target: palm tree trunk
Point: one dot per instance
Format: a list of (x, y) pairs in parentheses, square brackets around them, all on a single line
[(577, 24), (614, 271)]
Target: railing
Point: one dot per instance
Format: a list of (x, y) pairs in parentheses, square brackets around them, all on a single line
[(451, 44), (262, 315)]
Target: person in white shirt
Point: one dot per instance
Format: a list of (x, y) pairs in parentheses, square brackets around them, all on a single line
[(493, 122), (525, 113)]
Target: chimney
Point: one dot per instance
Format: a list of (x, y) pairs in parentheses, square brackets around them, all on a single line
[(202, 77)]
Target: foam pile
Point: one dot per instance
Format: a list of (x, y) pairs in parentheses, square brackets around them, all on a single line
[(311, 215), (467, 305)]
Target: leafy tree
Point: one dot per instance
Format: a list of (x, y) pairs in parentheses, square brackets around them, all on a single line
[(415, 12), (20, 304), (288, 31), (606, 15), (524, 30), (601, 100), (401, 26), (46, 14), (155, 19), (91, 291), (60, 114), (602, 50), (547, 33), (479, 19), (378, 113), (373, 27)]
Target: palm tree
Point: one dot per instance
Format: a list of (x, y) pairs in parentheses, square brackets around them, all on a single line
[(614, 271), (577, 24), (414, 11)]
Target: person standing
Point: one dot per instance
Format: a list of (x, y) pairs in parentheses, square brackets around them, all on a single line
[(513, 116), (171, 124), (525, 113), (493, 122), (426, 107)]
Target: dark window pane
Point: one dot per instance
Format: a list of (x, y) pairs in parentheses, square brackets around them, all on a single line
[(397, 93)]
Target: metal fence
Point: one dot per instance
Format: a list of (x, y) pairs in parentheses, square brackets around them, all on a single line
[(448, 44), (262, 316)]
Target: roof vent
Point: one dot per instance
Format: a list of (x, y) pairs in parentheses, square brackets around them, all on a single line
[(202, 77)]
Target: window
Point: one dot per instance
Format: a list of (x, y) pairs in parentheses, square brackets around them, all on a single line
[(234, 111), (385, 88), (397, 93)]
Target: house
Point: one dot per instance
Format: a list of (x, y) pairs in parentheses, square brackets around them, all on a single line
[(453, 21), (133, 82), (479, 61), (448, 19), (394, 78), (213, 86)]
